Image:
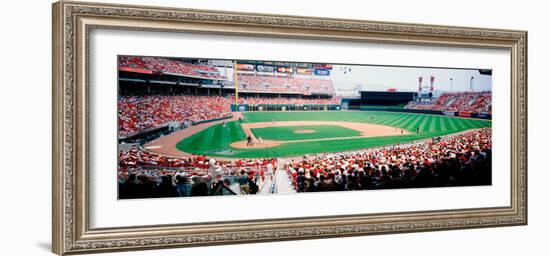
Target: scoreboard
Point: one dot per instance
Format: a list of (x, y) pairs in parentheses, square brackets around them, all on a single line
[(385, 98)]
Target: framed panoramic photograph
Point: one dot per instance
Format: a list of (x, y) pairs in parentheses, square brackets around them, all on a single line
[(179, 127)]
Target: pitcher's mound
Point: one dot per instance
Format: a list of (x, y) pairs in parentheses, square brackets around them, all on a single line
[(304, 131), (264, 144)]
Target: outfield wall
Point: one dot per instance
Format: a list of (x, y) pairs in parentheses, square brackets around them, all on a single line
[(285, 107)]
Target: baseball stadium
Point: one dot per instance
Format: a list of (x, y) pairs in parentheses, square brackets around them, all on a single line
[(204, 127)]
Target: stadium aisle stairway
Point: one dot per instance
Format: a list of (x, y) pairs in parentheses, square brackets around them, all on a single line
[(284, 184), (265, 187)]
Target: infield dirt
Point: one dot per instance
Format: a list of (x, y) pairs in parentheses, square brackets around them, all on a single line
[(366, 130)]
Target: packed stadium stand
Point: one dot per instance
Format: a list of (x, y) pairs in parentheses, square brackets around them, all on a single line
[(146, 175), (475, 102), (286, 100), (164, 65), (455, 160), (137, 113), (300, 85)]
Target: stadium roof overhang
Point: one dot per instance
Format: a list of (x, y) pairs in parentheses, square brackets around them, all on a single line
[(163, 82), (131, 80)]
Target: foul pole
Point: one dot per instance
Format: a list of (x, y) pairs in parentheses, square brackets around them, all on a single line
[(236, 84)]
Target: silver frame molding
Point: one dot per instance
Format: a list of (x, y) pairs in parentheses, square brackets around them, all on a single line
[(72, 22)]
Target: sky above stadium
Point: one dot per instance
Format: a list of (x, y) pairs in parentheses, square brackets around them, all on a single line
[(406, 78)]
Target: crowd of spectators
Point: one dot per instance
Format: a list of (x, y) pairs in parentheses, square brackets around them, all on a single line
[(285, 84), (455, 160), (474, 102), (164, 65), (157, 183), (139, 113), (142, 174), (287, 100)]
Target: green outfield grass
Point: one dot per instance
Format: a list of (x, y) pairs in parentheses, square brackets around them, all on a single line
[(216, 140), (285, 133)]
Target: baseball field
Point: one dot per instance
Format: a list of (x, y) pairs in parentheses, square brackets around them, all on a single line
[(290, 134)]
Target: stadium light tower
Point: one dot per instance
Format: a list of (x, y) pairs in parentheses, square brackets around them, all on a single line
[(431, 93)]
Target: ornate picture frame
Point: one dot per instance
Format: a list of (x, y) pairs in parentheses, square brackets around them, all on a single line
[(72, 23)]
